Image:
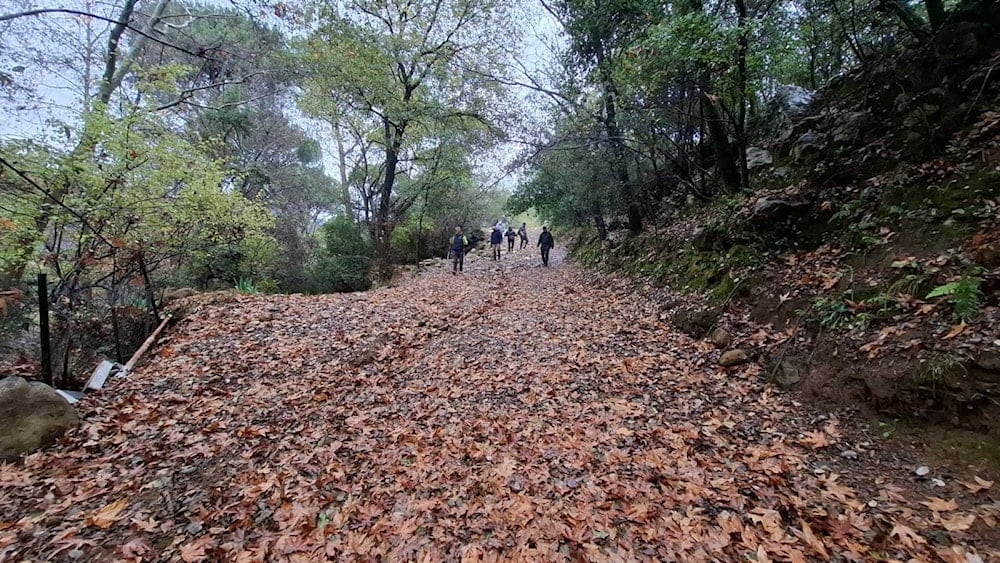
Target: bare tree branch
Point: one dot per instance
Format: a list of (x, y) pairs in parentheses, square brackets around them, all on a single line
[(151, 37)]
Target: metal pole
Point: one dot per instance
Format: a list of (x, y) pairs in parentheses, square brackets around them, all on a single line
[(43, 325)]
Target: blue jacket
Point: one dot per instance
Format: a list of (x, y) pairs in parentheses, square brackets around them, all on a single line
[(496, 237)]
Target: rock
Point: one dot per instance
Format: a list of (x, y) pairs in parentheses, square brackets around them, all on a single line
[(733, 357), (757, 157), (178, 294), (705, 239), (849, 454), (788, 103), (850, 127), (988, 359), (807, 146), (696, 322), (922, 471), (790, 371), (770, 209), (721, 338), (32, 416)]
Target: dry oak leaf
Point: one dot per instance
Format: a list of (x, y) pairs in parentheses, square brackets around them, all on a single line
[(940, 505), (958, 522), (906, 536), (955, 331), (195, 550), (815, 439), (980, 485), (106, 516)]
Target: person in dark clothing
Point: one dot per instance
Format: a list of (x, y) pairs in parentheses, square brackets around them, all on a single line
[(523, 233), (545, 242), (496, 237), (458, 244), (511, 235)]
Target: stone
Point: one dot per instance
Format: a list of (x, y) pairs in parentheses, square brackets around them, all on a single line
[(721, 338), (733, 357), (850, 127), (178, 294), (788, 103), (695, 322), (770, 209), (704, 239), (757, 157), (790, 371), (849, 454), (988, 359), (809, 144), (32, 416)]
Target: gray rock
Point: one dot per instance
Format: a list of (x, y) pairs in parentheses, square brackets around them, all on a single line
[(808, 145), (721, 338), (849, 454), (32, 416), (733, 357), (696, 323), (850, 127), (757, 157), (788, 103), (768, 209)]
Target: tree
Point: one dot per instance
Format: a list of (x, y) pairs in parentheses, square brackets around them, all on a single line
[(404, 69)]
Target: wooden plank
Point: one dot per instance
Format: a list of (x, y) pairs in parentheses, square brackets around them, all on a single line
[(142, 349), (100, 375)]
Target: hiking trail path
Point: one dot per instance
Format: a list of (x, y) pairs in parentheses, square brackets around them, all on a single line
[(512, 412)]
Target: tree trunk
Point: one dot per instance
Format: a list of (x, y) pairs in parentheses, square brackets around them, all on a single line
[(617, 146), (725, 160), (383, 223), (935, 13), (743, 46)]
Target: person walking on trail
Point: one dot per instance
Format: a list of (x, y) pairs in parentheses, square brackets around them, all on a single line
[(458, 244), (545, 242), (511, 235), (496, 237), (523, 233)]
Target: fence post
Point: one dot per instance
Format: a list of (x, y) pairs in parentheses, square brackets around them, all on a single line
[(43, 325)]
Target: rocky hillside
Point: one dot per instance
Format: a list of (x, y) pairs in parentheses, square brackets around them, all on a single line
[(870, 245)]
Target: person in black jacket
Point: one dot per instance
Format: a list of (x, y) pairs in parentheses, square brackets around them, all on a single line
[(545, 242), (496, 237)]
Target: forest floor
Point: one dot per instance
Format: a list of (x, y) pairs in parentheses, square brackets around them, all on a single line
[(511, 412)]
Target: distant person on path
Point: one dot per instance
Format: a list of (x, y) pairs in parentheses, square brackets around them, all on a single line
[(523, 233), (458, 244), (496, 237), (545, 242), (511, 235)]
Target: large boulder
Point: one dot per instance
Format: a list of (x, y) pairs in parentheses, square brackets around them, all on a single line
[(788, 103), (32, 416)]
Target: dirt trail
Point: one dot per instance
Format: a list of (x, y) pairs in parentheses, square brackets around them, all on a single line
[(512, 412)]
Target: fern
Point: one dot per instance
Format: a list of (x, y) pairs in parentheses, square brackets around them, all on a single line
[(964, 295)]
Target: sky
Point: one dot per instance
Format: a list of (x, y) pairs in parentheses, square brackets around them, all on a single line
[(46, 60)]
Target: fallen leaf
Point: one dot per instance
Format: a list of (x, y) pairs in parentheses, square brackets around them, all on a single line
[(955, 331), (958, 522), (107, 516), (815, 439), (980, 485), (940, 505), (906, 536)]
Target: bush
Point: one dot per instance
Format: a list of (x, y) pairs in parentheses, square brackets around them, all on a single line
[(345, 260)]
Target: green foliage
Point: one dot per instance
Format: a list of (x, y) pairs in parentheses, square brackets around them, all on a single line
[(345, 260), (247, 287), (965, 296)]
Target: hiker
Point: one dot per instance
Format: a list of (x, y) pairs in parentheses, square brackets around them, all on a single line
[(458, 244), (523, 233), (545, 242), (496, 237), (511, 235)]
